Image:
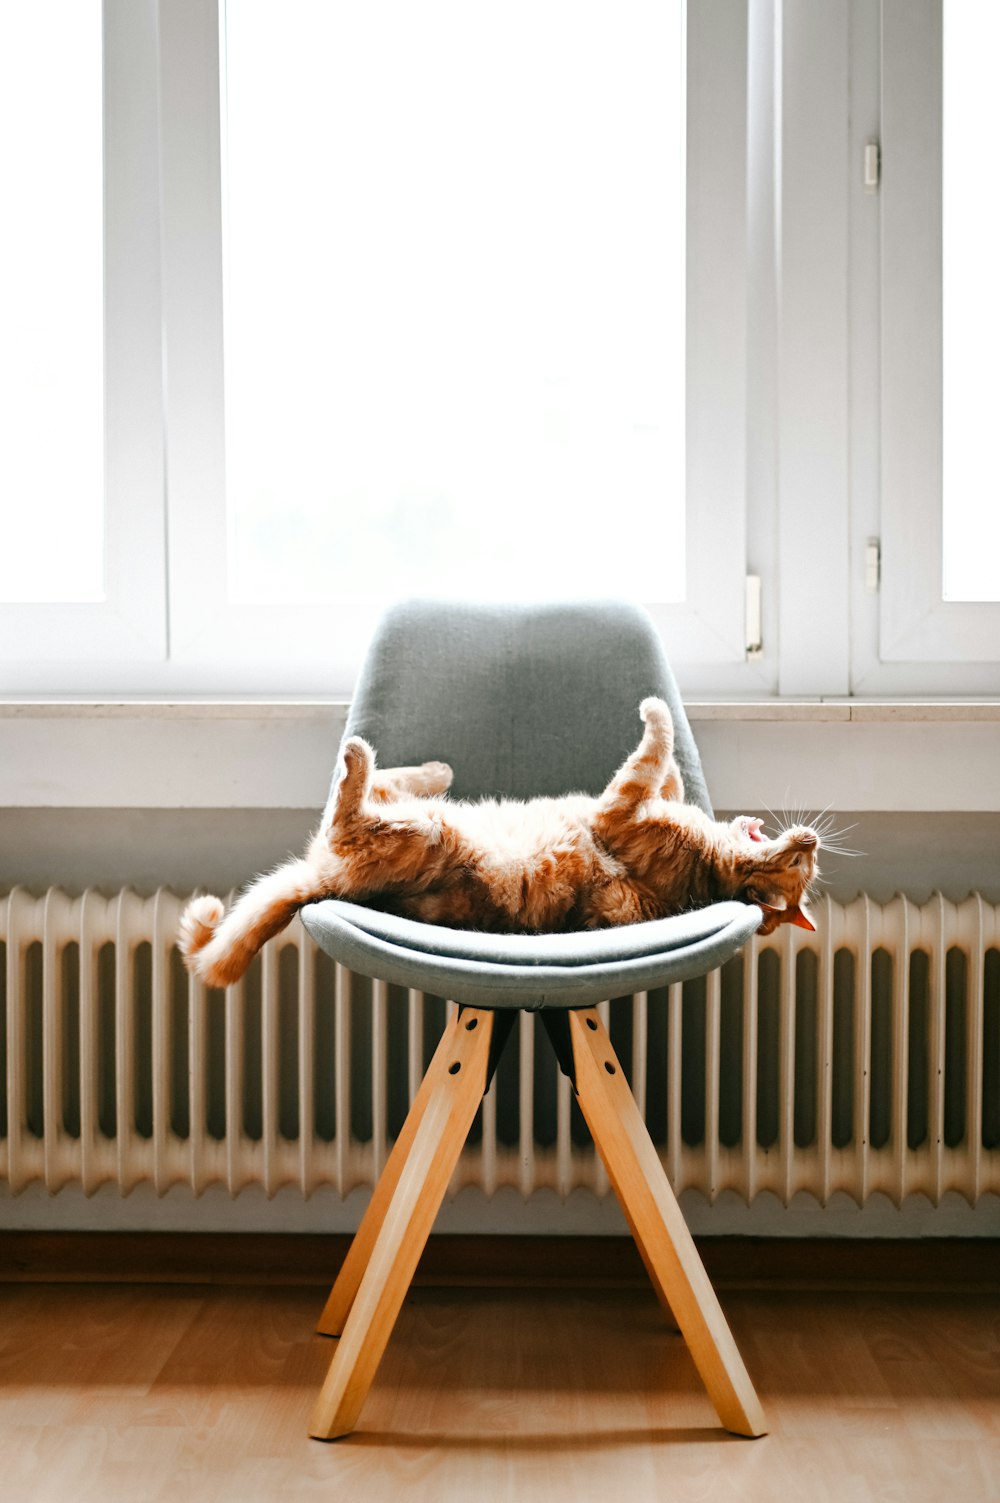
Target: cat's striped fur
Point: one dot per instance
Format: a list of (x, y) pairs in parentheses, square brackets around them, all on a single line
[(393, 838)]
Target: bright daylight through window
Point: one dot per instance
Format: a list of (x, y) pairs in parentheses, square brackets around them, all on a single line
[(454, 299), (971, 303), (51, 302)]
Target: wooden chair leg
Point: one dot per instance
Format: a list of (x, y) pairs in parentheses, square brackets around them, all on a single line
[(447, 1115), (348, 1281), (652, 1270), (660, 1230), (557, 1027)]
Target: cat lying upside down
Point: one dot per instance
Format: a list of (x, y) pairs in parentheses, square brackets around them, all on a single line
[(635, 852)]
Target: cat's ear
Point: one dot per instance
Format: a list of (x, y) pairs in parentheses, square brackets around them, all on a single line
[(776, 907), (799, 915), (782, 912)]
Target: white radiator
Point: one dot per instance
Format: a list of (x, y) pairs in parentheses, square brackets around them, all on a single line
[(862, 1058)]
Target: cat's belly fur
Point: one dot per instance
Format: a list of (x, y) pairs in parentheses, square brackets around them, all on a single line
[(532, 866)]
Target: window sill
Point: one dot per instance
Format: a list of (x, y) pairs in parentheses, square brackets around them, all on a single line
[(856, 711), (849, 754), (789, 710)]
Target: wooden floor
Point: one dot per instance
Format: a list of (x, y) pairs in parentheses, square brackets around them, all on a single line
[(191, 1393)]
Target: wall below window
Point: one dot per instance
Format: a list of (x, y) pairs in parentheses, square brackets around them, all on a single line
[(777, 753), (220, 849), (202, 794)]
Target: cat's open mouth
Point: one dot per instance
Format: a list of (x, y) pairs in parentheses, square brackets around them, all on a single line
[(755, 830)]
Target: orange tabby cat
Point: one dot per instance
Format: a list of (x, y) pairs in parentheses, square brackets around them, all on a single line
[(634, 852)]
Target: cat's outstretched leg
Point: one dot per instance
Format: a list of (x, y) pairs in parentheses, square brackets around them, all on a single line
[(672, 791), (353, 789), (429, 780), (392, 846), (375, 851), (349, 791), (363, 783), (219, 949), (644, 773)]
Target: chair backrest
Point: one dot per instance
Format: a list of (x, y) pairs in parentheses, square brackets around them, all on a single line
[(520, 700)]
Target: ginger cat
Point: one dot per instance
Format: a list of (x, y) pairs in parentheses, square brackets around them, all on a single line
[(635, 852)]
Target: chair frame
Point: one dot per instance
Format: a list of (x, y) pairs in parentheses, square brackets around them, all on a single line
[(369, 1290)]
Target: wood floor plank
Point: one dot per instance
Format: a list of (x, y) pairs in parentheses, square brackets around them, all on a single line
[(149, 1395)]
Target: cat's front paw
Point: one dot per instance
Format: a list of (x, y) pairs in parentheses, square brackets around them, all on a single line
[(435, 777), (351, 789), (358, 755)]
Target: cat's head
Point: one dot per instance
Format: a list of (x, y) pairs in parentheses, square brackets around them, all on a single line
[(775, 875)]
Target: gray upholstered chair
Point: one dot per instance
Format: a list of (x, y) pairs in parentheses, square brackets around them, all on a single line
[(521, 701)]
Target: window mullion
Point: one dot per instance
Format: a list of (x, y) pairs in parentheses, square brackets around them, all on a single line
[(813, 418)]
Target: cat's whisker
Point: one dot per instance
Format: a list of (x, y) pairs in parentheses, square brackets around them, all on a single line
[(826, 816), (834, 849), (835, 837), (774, 818), (832, 836), (830, 827), (786, 818)]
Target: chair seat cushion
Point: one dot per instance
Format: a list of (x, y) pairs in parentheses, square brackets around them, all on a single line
[(529, 970)]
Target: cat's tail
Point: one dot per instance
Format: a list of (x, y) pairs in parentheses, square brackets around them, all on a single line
[(219, 949)]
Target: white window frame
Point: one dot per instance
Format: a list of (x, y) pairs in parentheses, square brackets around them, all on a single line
[(169, 562), (246, 647), (811, 426), (918, 642), (72, 641)]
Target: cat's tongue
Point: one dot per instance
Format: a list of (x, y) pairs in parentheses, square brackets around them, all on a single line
[(755, 829)]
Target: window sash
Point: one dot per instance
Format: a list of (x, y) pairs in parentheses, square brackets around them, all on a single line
[(917, 626), (215, 642), (38, 641)]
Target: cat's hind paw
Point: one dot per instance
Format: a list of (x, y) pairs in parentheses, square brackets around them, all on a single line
[(654, 711), (198, 924)]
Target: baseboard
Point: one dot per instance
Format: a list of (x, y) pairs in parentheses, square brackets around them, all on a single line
[(966, 1264)]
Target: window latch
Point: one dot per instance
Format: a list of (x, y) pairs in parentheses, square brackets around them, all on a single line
[(873, 166), (754, 641), (873, 565)]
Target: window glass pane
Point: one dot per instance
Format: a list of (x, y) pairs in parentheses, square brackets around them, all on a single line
[(51, 302), (971, 293), (454, 302)]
